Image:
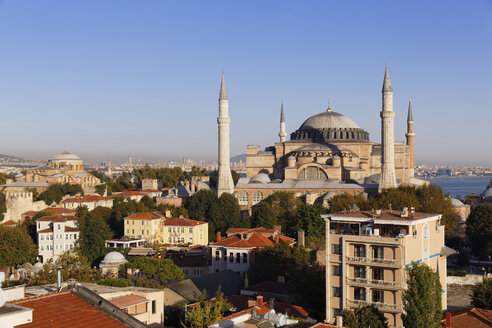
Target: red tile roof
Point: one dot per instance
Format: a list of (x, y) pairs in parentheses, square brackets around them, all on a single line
[(45, 230), (71, 229), (57, 218), (150, 190), (470, 318), (145, 216), (128, 300), (86, 199), (385, 215), (182, 222), (65, 309), (291, 310), (51, 211), (251, 240), (246, 230), (128, 193), (9, 223)]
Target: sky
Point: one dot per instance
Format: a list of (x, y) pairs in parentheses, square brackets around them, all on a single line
[(116, 78)]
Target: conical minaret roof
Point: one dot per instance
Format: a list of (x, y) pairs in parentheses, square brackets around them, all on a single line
[(282, 116), (410, 116), (387, 82), (223, 90)]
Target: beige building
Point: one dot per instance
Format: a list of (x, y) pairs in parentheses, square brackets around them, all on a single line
[(329, 152), (367, 253), (56, 235), (156, 228)]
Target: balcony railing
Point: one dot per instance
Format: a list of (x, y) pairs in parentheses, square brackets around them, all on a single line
[(370, 260), (380, 305), (374, 282)]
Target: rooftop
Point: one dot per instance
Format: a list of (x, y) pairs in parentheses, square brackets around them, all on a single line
[(182, 222), (145, 216), (57, 218), (470, 318), (381, 216), (86, 199), (124, 302)]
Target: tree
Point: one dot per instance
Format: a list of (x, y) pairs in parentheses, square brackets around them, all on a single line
[(101, 189), (344, 201), (214, 178), (422, 298), (309, 219), (16, 246), (479, 230), (3, 207), (3, 178), (206, 312), (55, 192), (115, 282), (367, 316), (482, 294), (93, 234), (97, 174), (263, 217), (284, 205), (154, 273), (199, 204)]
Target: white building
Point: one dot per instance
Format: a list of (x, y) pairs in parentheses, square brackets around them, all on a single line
[(56, 234), (91, 202)]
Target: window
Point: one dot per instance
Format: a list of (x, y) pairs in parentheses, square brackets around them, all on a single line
[(238, 257), (133, 222), (360, 294), (42, 247), (335, 312), (335, 270), (42, 237), (169, 229), (191, 230), (377, 296), (169, 240), (312, 173), (245, 257), (217, 255), (128, 231), (257, 197), (142, 231), (377, 274), (335, 291), (148, 232), (359, 272), (39, 225), (335, 249), (360, 250), (133, 231), (231, 257), (154, 307), (182, 230), (59, 226), (243, 198), (378, 252)]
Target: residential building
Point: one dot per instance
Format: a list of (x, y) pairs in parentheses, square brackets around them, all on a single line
[(129, 194), (56, 234), (193, 265), (235, 251), (368, 252), (125, 242), (49, 211), (91, 202), (156, 228)]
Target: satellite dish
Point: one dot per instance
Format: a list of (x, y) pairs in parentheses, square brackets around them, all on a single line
[(2, 298)]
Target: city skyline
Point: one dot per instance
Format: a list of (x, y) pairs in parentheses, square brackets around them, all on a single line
[(124, 78)]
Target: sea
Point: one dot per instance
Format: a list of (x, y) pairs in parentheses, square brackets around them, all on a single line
[(460, 187)]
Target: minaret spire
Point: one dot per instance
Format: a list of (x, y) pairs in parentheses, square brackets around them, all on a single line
[(225, 182), (388, 176), (282, 133), (410, 137)]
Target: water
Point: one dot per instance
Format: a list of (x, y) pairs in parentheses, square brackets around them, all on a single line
[(460, 187)]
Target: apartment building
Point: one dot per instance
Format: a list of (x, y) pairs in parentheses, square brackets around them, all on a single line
[(56, 234), (156, 228), (367, 253)]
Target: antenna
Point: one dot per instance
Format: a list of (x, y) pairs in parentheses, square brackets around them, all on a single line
[(2, 298)]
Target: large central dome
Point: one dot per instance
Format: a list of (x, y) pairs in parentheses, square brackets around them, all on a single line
[(327, 120), (330, 127)]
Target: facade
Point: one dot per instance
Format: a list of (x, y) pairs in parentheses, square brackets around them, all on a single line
[(329, 152), (91, 202), (56, 235), (156, 228), (236, 251), (367, 253)]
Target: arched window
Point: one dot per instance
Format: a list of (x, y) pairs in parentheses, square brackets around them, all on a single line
[(243, 198), (312, 173), (257, 197)]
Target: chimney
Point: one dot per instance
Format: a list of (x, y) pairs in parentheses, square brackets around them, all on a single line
[(278, 228), (404, 212), (272, 304), (276, 239), (167, 214), (448, 319), (259, 300), (218, 236), (58, 277), (339, 320), (300, 238)]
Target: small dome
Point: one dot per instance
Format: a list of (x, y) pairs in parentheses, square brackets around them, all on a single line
[(37, 267), (327, 120), (114, 257), (260, 178), (66, 156)]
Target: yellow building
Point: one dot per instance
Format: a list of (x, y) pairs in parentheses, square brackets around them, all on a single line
[(367, 253), (155, 227)]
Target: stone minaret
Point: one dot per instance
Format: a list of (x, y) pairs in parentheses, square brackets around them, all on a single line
[(282, 133), (225, 183), (388, 177), (410, 135)]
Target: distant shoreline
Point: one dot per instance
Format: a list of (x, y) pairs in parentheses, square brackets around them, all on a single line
[(459, 177)]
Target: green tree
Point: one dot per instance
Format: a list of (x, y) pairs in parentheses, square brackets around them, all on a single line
[(93, 234), (309, 219), (479, 230), (154, 273), (263, 217), (206, 312), (16, 246), (97, 174), (363, 317), (3, 207), (284, 205), (101, 189), (422, 298), (3, 178), (482, 294), (344, 201), (214, 178), (115, 282), (55, 192), (200, 204)]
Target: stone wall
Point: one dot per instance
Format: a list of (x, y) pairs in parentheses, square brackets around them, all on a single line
[(469, 279)]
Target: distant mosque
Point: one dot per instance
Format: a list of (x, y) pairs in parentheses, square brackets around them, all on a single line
[(328, 154)]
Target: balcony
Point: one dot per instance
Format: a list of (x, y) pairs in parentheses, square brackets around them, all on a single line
[(370, 260), (383, 307), (374, 282)]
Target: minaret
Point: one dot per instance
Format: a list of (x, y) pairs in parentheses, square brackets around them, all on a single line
[(225, 183), (282, 133), (388, 177), (410, 135)]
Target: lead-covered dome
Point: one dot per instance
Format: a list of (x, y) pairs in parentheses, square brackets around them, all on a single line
[(65, 156), (330, 127), (113, 258)]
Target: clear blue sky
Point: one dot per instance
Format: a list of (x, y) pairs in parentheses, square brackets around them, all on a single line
[(112, 78)]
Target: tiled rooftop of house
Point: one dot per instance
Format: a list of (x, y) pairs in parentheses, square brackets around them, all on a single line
[(57, 218), (469, 318), (384, 215), (52, 211), (9, 223), (127, 193), (65, 309), (252, 240), (146, 216), (86, 199), (245, 303), (182, 222), (124, 302)]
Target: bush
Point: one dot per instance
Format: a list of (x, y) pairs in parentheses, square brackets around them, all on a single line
[(461, 273), (115, 282), (450, 273)]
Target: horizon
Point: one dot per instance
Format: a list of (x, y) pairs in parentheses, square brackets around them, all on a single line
[(142, 79)]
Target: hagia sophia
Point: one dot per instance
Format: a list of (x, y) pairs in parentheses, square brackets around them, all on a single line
[(328, 153)]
